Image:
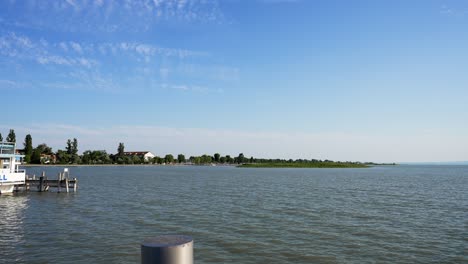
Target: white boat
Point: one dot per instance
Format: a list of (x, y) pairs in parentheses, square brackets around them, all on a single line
[(10, 174)]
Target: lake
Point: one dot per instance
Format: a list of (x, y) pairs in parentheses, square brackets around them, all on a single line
[(394, 214)]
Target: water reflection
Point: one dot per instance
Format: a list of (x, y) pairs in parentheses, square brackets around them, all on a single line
[(12, 208), (383, 215)]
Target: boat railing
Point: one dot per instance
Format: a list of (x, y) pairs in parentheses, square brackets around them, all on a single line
[(7, 148)]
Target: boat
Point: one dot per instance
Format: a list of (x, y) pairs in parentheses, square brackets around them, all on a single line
[(10, 174)]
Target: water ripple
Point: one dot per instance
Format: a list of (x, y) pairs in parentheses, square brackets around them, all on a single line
[(403, 214)]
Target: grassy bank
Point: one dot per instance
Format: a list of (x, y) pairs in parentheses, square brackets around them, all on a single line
[(305, 165)]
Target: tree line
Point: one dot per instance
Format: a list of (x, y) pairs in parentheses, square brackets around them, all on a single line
[(43, 154)]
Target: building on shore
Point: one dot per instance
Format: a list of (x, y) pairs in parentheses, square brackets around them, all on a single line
[(146, 155)]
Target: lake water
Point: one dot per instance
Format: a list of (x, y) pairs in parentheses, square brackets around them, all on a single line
[(396, 214)]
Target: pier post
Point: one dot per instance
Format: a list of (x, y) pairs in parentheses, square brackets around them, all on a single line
[(167, 249), (59, 182), (41, 182), (75, 184), (66, 184)]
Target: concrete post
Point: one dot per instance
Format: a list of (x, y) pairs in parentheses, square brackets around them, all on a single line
[(59, 182), (167, 249), (41, 183)]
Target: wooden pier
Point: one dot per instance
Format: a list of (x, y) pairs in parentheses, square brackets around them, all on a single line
[(62, 183)]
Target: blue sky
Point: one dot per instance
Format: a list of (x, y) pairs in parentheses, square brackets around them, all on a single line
[(344, 80)]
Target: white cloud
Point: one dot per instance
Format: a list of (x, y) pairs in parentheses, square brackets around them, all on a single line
[(190, 88), (44, 43), (453, 11), (59, 60), (142, 59), (72, 3), (23, 48), (8, 84), (14, 84), (76, 47), (215, 72), (279, 1), (144, 49), (54, 60), (12, 40), (63, 46), (86, 62), (114, 15), (94, 80)]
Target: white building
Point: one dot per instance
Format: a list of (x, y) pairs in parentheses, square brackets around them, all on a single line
[(147, 155)]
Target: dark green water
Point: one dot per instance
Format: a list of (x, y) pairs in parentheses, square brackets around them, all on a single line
[(399, 214)]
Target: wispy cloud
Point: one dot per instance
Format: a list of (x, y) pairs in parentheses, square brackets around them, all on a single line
[(215, 72), (91, 80), (23, 48), (82, 54), (453, 11), (111, 16), (190, 88), (58, 60), (9, 84), (76, 47), (144, 49), (72, 3), (279, 1), (86, 64)]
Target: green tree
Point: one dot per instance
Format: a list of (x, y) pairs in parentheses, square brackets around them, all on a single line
[(127, 160), (119, 160), (28, 148), (36, 156), (69, 147), (96, 157), (181, 158), (205, 159), (240, 158), (44, 149), (216, 157), (158, 160), (74, 152), (136, 159), (1, 138), (63, 157), (121, 150), (229, 159), (75, 146), (11, 136), (86, 158), (222, 159), (106, 159), (169, 158)]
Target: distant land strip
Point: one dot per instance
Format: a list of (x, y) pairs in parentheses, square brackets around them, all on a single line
[(306, 165), (43, 155)]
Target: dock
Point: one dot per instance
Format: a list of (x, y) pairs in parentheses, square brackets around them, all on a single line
[(62, 183)]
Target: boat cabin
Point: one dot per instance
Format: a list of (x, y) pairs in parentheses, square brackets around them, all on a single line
[(10, 174)]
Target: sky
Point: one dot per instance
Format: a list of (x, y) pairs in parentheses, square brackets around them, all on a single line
[(382, 81)]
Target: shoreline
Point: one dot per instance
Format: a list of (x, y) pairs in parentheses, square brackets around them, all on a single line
[(124, 165)]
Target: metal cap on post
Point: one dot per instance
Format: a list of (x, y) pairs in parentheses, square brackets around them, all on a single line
[(167, 249)]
